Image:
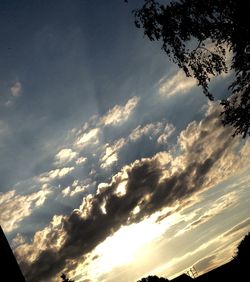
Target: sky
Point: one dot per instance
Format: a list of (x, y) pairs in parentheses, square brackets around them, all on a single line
[(113, 164)]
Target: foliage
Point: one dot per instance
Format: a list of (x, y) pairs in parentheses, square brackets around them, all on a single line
[(196, 35), (243, 250), (153, 278)]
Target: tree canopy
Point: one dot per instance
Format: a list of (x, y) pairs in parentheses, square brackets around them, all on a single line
[(196, 35), (243, 251), (153, 278)]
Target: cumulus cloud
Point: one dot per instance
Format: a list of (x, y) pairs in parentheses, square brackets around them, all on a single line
[(119, 114), (110, 155), (16, 89), (178, 83), (76, 187), (51, 237), (14, 208), (65, 156), (136, 192), (54, 174), (87, 137), (91, 131), (159, 130)]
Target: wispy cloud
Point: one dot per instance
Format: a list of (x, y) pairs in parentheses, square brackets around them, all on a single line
[(46, 177), (160, 130), (119, 114), (178, 83), (220, 205), (110, 155), (80, 160), (88, 137), (206, 264), (242, 227)]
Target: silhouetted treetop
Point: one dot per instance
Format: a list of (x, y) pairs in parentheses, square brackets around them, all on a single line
[(196, 35), (153, 278), (243, 250)]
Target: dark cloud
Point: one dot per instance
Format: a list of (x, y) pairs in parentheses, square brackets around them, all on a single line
[(147, 187)]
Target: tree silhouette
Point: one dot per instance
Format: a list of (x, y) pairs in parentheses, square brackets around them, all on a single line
[(196, 35), (243, 252), (153, 278), (65, 279)]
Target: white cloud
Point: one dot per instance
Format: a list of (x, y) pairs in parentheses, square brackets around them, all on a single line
[(65, 156), (166, 133), (16, 89), (75, 188), (86, 137), (81, 160), (176, 84), (69, 192), (54, 174), (119, 114), (110, 156), (139, 131), (14, 208), (158, 130)]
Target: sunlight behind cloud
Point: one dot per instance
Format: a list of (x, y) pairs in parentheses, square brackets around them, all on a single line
[(127, 244)]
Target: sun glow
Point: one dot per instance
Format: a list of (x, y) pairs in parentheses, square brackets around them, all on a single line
[(127, 244)]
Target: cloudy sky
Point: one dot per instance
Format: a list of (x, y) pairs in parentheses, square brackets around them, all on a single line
[(113, 164)]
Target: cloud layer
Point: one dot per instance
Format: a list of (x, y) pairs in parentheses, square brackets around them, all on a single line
[(136, 192)]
